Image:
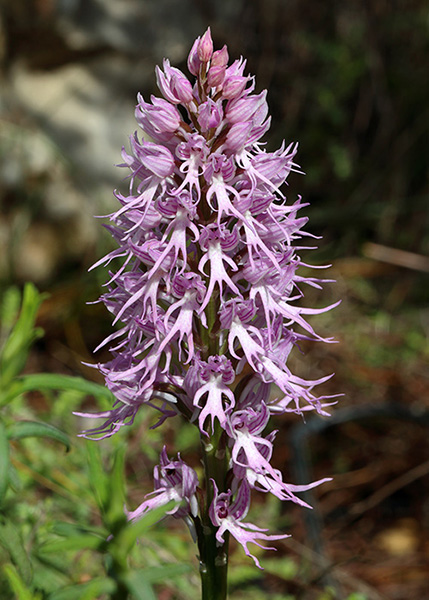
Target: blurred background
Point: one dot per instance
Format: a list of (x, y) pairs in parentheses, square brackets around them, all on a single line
[(348, 81)]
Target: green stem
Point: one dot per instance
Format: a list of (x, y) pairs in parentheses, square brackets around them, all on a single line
[(213, 565), (121, 592), (116, 570), (213, 556)]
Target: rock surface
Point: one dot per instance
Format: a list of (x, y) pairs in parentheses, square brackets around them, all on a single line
[(71, 72)]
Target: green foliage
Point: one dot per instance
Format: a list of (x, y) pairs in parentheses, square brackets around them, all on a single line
[(18, 586), (139, 586), (11, 540), (140, 582), (4, 462), (44, 554), (17, 332), (285, 568), (23, 429), (86, 591), (49, 381)]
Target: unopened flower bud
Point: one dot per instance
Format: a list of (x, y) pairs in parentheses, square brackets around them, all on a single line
[(205, 47), (245, 109), (181, 88), (233, 87), (209, 115), (220, 58), (194, 62), (237, 137), (160, 119), (215, 76)]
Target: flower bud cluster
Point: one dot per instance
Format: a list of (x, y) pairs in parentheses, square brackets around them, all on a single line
[(206, 295)]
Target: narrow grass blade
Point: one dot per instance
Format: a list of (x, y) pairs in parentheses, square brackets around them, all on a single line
[(4, 462), (21, 591), (23, 429)]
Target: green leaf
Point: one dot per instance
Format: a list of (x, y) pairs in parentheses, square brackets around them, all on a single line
[(97, 587), (15, 350), (116, 493), (21, 591), (139, 586), (127, 537), (52, 381), (9, 310), (23, 429), (240, 575), (51, 570), (85, 591), (11, 540), (286, 568), (158, 574), (4, 462), (66, 529), (15, 482), (97, 475), (77, 542)]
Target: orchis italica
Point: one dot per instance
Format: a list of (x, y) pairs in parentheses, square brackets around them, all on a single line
[(174, 480), (207, 296)]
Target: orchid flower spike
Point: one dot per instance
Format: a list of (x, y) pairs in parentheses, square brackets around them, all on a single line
[(208, 293)]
